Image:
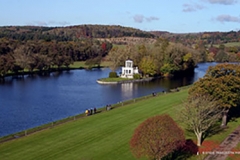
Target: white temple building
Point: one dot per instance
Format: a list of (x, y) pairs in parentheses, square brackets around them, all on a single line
[(128, 71)]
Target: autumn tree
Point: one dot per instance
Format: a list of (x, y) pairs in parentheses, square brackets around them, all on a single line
[(156, 137), (96, 56), (148, 66), (200, 113), (222, 83), (43, 62), (131, 52), (168, 69), (221, 56), (157, 52), (200, 47), (23, 57), (178, 58), (3, 60), (115, 58)]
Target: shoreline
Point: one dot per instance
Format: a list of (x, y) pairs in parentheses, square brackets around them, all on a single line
[(53, 124), (22, 73), (126, 81)]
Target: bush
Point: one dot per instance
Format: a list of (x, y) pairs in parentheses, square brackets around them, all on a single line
[(156, 137), (137, 76), (113, 75)]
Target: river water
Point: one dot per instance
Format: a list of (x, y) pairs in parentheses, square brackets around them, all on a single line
[(32, 101)]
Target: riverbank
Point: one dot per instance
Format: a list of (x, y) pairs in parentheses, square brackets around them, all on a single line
[(101, 136), (122, 80), (76, 65), (72, 118)]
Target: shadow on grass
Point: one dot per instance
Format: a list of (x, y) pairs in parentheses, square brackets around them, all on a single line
[(215, 129), (185, 152)]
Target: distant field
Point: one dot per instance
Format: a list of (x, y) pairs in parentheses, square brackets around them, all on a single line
[(232, 44), (81, 64), (104, 136), (128, 40)]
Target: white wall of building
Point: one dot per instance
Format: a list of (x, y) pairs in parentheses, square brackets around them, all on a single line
[(128, 71)]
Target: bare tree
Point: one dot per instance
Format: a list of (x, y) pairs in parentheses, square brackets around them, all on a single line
[(200, 114)]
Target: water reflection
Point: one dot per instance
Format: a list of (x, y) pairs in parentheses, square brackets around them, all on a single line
[(127, 90)]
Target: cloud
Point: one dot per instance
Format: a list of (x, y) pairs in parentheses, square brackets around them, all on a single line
[(227, 18), (63, 23), (140, 18), (192, 7), (50, 23), (39, 23), (149, 19), (224, 2)]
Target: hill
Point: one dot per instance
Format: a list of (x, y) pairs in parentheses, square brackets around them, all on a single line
[(203, 37), (70, 33), (111, 31)]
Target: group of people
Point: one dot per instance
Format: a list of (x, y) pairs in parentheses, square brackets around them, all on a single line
[(91, 111), (154, 94), (108, 107)]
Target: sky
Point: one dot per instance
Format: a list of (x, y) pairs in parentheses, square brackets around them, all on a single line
[(175, 16)]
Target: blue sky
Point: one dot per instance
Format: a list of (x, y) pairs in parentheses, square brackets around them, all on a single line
[(178, 16)]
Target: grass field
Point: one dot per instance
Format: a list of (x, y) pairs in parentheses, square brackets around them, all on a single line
[(81, 64), (102, 136), (229, 44), (232, 44)]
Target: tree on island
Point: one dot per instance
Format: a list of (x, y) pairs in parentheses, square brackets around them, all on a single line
[(200, 113), (148, 66), (161, 58), (115, 57), (222, 83), (178, 58), (156, 137)]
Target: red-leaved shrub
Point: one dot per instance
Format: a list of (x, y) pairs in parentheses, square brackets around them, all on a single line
[(156, 137)]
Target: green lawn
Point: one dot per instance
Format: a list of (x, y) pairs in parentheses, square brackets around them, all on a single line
[(229, 44), (232, 44), (81, 64), (102, 136)]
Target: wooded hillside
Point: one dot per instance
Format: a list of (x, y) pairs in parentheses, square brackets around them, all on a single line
[(70, 33)]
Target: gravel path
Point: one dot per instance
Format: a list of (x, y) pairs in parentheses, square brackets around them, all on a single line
[(222, 152)]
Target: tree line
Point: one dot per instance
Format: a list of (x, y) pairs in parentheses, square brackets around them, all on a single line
[(41, 48), (216, 38), (15, 56)]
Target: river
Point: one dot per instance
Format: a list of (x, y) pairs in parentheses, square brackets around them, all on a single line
[(32, 101)]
